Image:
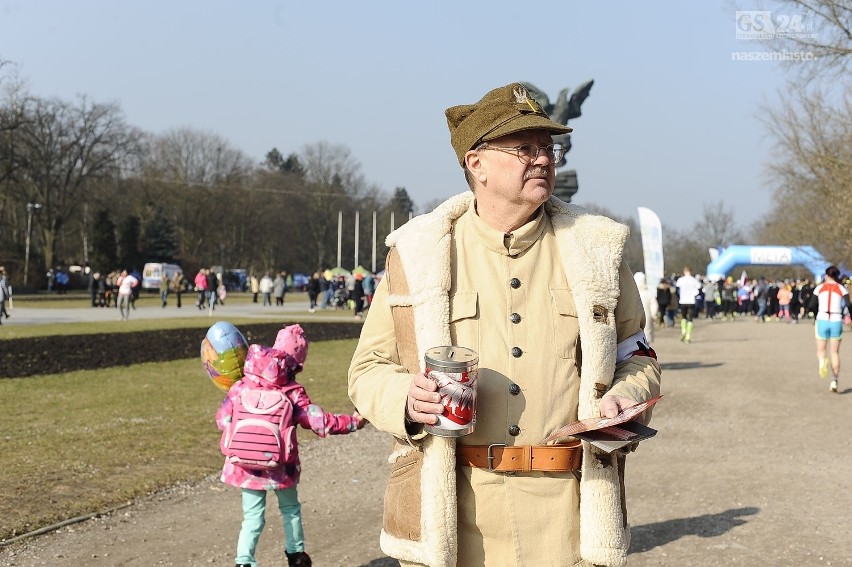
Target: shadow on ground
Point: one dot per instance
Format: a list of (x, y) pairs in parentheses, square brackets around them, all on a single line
[(383, 562), (689, 365), (645, 538)]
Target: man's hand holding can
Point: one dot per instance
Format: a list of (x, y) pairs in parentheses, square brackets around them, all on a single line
[(424, 402)]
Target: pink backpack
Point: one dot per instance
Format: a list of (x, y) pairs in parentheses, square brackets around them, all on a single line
[(261, 433)]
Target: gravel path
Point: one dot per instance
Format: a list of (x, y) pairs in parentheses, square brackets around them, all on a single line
[(750, 467)]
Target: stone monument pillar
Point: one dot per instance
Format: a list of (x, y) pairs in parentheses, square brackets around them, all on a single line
[(564, 109)]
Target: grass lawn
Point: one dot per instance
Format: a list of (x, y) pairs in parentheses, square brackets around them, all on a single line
[(86, 441)]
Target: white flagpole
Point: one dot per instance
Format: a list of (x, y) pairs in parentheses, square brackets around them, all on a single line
[(339, 234), (357, 223)]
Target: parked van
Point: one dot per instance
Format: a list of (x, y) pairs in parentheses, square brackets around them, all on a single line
[(153, 270)]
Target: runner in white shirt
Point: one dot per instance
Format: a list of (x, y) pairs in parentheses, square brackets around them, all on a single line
[(832, 299), (688, 288), (126, 283)]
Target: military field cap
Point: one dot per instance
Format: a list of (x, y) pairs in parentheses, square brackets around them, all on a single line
[(503, 111)]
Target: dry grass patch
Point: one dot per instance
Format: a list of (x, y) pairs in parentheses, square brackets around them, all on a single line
[(86, 441)]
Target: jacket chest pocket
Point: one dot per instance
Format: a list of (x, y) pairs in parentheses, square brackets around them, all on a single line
[(464, 319), (566, 327)]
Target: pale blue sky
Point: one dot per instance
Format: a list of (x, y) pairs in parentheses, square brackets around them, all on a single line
[(671, 122)]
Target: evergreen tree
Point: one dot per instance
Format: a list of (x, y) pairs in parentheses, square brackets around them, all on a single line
[(401, 205), (104, 252), (274, 160), (128, 243), (160, 238), (293, 165)]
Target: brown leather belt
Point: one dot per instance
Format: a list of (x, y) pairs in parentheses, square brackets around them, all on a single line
[(564, 457)]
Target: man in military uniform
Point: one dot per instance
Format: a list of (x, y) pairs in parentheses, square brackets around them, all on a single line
[(539, 289)]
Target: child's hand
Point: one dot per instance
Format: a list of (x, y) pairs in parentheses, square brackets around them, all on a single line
[(360, 422)]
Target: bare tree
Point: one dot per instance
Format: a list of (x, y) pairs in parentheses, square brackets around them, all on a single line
[(681, 248), (199, 177), (273, 236), (811, 169), (690, 247), (332, 176), (61, 146), (822, 28), (11, 119), (812, 173), (717, 226)]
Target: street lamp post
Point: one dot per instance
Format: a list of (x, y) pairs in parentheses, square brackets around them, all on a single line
[(30, 208)]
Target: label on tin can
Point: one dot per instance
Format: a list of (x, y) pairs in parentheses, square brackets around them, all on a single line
[(454, 370)]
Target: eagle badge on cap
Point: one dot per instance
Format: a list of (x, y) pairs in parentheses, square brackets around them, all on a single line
[(522, 96)]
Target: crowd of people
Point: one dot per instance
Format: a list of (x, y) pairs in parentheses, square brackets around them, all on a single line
[(786, 300), (352, 291), (825, 302), (325, 289), (105, 288), (210, 288), (58, 280)]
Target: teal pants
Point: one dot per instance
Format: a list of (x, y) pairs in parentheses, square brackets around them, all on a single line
[(254, 520)]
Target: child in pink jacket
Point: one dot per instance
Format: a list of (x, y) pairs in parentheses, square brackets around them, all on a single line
[(276, 368)]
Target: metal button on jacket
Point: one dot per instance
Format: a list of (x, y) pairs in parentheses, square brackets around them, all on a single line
[(515, 318), (515, 283), (514, 389), (517, 352), (514, 430)]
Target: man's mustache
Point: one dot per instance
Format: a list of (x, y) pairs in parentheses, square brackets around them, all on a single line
[(537, 171)]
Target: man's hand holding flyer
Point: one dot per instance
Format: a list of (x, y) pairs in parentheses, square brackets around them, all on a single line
[(608, 433)]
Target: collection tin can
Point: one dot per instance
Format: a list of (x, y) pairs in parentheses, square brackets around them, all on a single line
[(455, 370)]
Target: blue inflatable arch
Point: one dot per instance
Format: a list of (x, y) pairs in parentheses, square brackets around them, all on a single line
[(738, 255)]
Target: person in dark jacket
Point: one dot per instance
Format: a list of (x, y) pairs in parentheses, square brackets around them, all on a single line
[(314, 288), (664, 297), (5, 294), (358, 295), (212, 287)]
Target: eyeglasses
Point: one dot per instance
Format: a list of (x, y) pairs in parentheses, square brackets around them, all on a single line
[(528, 153)]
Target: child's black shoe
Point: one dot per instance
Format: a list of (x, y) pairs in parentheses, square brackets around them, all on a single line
[(299, 559)]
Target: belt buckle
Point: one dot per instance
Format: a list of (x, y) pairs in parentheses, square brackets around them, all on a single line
[(490, 455)]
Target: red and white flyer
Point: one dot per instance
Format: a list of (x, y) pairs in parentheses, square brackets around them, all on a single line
[(609, 433)]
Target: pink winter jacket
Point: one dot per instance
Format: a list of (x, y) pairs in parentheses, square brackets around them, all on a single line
[(308, 415)]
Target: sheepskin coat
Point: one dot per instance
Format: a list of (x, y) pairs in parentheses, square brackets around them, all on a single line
[(452, 281)]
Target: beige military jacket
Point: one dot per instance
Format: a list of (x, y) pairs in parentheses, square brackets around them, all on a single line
[(522, 301)]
